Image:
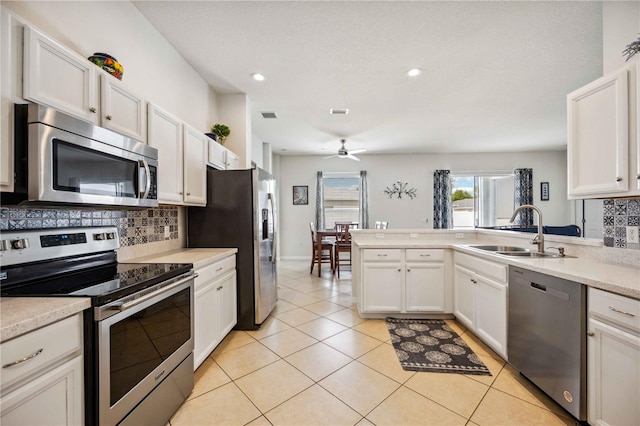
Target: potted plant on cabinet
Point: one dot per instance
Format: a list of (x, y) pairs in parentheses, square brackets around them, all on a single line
[(219, 132)]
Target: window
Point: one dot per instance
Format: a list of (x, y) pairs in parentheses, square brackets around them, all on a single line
[(341, 198), (482, 201)]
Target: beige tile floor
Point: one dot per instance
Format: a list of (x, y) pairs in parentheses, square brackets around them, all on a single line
[(316, 362)]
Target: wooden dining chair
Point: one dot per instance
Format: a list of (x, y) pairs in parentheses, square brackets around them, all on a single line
[(327, 250), (342, 245)]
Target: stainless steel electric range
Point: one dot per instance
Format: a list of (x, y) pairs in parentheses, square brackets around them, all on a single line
[(138, 331)]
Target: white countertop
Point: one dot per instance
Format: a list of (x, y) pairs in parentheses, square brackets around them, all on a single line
[(200, 257), (20, 315), (624, 280)]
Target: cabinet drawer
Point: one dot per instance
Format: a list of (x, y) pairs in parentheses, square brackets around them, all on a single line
[(494, 270), (425, 255), (52, 343), (382, 255), (616, 308), (211, 272)]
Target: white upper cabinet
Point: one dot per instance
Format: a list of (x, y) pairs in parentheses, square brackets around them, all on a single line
[(165, 134), (182, 155), (121, 110), (232, 161), (602, 139), (62, 79), (195, 168), (57, 77), (217, 155)]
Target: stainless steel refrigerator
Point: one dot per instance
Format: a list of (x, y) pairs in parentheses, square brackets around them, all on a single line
[(241, 212)]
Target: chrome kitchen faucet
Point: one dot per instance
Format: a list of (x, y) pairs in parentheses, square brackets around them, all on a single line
[(538, 239)]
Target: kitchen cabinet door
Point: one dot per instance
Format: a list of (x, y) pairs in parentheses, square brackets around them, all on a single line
[(383, 291), (613, 358), (122, 110), (217, 155), (232, 161), (195, 166), (425, 287), (601, 129), (205, 320), (491, 313), (165, 134), (55, 398), (227, 303), (464, 296), (57, 77)]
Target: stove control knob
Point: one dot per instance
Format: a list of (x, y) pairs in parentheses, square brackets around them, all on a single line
[(111, 236), (5, 245), (20, 244), (100, 237)]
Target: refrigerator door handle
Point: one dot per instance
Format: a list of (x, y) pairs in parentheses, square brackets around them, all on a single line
[(272, 255)]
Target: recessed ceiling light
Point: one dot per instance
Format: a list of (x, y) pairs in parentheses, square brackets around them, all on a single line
[(257, 76), (339, 111), (414, 72)]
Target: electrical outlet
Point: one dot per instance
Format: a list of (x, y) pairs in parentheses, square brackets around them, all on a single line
[(167, 232), (632, 235), (379, 235), (413, 235), (459, 236)]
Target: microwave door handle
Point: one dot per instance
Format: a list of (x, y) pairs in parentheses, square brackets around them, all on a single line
[(147, 186)]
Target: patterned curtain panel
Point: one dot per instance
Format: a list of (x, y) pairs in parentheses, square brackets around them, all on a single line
[(523, 194), (319, 202), (364, 200), (442, 210)]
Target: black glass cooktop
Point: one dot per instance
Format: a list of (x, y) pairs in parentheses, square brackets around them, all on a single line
[(87, 277)]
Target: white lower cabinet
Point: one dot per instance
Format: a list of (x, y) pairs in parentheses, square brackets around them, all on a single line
[(403, 281), (215, 306), (480, 299), (42, 376), (613, 359)]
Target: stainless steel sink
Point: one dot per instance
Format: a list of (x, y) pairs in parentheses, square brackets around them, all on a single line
[(514, 251), (502, 249)]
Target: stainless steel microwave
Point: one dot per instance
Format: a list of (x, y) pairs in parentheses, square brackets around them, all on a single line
[(73, 161)]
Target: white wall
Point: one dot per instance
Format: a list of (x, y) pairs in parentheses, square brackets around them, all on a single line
[(235, 112), (152, 67), (620, 26), (417, 170)]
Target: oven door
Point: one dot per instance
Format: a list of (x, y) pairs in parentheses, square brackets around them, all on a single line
[(140, 345), (67, 168)]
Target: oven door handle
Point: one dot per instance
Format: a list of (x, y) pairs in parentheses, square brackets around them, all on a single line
[(147, 186), (128, 305)]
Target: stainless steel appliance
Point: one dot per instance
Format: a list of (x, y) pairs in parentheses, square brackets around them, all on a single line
[(73, 161), (241, 212), (139, 330), (547, 336)]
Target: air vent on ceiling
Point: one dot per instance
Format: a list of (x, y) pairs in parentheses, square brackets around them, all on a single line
[(269, 115), (338, 111)]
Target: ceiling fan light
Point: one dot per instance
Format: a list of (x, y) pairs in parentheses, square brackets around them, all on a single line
[(414, 72)]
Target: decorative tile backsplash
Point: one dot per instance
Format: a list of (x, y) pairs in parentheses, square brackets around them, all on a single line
[(620, 223), (134, 226)]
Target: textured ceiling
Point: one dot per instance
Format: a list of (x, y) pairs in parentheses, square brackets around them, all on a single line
[(495, 78)]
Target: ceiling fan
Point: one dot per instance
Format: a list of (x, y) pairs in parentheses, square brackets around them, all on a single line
[(343, 153)]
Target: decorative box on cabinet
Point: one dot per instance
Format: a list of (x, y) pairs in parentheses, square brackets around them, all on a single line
[(403, 281), (42, 376), (603, 155), (182, 151), (613, 358), (60, 78), (480, 299), (215, 306)]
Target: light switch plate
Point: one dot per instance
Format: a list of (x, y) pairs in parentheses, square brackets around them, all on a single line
[(632, 235), (459, 236), (379, 235), (413, 235)]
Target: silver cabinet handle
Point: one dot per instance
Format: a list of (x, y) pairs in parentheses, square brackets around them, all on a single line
[(109, 117), (381, 255), (399, 270), (474, 281), (92, 109), (590, 333), (638, 177), (188, 193), (629, 314), (408, 270), (425, 255), (25, 359), (219, 269), (618, 179)]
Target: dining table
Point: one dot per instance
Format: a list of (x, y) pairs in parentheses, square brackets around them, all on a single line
[(320, 235)]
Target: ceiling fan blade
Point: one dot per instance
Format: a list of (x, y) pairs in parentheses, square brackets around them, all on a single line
[(357, 151), (352, 157), (331, 156)]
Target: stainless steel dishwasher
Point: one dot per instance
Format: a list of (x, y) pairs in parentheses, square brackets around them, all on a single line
[(547, 336)]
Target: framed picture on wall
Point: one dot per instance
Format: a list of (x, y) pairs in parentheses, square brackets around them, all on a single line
[(544, 191), (300, 195)]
